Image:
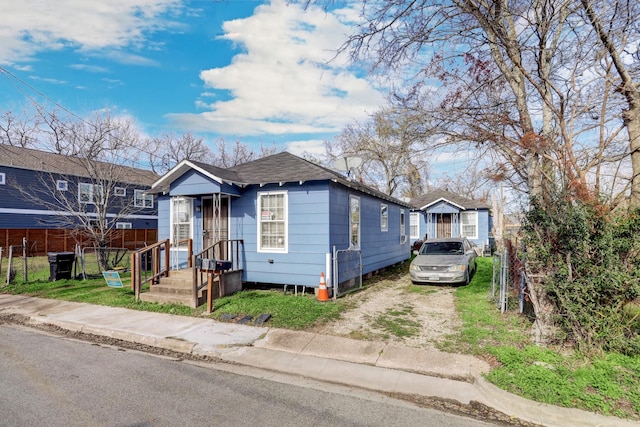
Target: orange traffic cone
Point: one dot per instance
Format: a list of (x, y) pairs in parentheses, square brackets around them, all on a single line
[(323, 293)]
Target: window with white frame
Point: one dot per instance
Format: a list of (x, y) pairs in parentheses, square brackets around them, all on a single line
[(354, 221), (403, 228), (120, 191), (469, 225), (90, 193), (181, 218), (272, 221), (2, 178), (414, 225), (123, 225), (62, 185), (142, 200), (384, 217)]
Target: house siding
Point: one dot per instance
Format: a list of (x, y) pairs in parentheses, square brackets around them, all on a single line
[(308, 235), (18, 211), (379, 248)]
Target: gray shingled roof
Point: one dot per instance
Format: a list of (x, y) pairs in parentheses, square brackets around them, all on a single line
[(282, 167), (287, 167), (224, 174), (435, 195), (277, 168), (27, 158)]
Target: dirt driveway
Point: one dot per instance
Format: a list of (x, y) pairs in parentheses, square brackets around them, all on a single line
[(393, 310)]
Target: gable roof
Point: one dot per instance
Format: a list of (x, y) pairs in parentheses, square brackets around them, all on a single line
[(43, 161), (435, 196), (275, 169)]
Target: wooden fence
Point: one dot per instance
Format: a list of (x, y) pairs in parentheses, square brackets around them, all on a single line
[(41, 240)]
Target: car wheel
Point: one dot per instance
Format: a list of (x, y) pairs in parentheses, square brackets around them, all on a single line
[(467, 278)]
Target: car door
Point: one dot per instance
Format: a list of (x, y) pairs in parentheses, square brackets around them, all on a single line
[(471, 255)]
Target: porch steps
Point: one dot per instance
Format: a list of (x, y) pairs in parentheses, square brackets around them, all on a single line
[(175, 289)]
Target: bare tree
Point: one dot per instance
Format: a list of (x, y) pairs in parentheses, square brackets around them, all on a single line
[(94, 189), (615, 23), (168, 150), (228, 155), (17, 131), (517, 77), (390, 147)]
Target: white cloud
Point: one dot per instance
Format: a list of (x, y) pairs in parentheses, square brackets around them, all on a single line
[(313, 147), (286, 79), (32, 26)]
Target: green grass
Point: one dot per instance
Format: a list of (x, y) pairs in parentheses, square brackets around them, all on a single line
[(287, 311), (398, 322), (607, 384)]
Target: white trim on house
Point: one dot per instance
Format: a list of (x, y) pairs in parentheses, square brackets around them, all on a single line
[(414, 221), (442, 199), (384, 217), (353, 244), (264, 216), (474, 215), (188, 201), (67, 213)]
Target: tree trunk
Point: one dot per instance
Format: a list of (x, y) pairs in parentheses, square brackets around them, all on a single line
[(543, 326), (632, 120)]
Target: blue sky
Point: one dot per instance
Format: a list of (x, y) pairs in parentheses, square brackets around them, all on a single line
[(258, 71)]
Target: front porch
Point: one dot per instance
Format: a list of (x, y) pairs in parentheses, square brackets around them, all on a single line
[(212, 273)]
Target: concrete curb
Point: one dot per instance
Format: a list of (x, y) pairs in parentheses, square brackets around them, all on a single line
[(542, 413), (381, 367)]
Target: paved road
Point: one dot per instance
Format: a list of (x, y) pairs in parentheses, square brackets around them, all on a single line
[(48, 380)]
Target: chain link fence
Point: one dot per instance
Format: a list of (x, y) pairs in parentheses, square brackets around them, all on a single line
[(18, 264), (508, 284)]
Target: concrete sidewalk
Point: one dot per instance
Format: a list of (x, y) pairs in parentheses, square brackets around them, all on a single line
[(376, 366)]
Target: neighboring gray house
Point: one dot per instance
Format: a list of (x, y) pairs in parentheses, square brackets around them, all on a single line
[(293, 216), (37, 188), (444, 214)]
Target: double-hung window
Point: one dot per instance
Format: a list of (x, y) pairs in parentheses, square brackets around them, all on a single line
[(2, 178), (142, 200), (272, 221), (469, 225), (403, 228), (414, 225), (384, 217), (354, 221), (181, 214), (90, 193)]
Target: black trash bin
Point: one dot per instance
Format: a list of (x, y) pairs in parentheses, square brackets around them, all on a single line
[(146, 260), (60, 265)]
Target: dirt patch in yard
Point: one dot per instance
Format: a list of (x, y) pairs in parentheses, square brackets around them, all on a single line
[(394, 310)]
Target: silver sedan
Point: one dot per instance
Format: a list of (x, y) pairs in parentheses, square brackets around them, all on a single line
[(447, 260)]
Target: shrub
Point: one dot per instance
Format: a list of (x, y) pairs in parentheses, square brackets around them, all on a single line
[(590, 258)]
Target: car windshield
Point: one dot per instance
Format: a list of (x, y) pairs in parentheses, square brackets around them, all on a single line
[(442, 248)]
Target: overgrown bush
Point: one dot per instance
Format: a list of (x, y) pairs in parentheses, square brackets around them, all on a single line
[(590, 258)]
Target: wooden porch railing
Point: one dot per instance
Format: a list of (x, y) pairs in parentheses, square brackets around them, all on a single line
[(152, 254), (223, 250)]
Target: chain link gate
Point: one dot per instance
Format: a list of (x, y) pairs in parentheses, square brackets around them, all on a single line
[(347, 271)]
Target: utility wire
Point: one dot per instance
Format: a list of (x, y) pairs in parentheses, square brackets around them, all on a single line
[(20, 84)]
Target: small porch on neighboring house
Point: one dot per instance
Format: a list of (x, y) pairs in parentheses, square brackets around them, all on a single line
[(211, 273), (442, 224)]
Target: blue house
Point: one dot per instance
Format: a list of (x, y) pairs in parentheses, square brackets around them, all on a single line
[(444, 214), (44, 196), (295, 220)]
